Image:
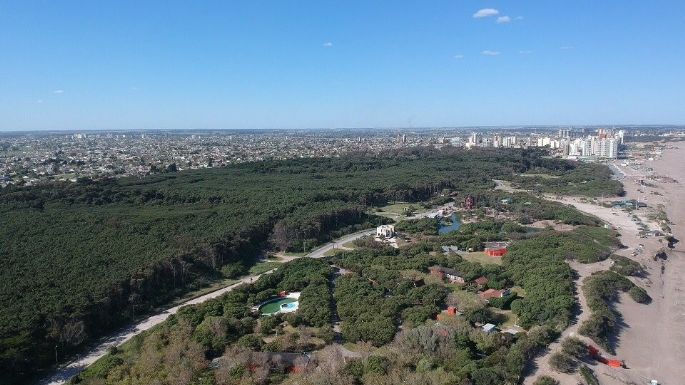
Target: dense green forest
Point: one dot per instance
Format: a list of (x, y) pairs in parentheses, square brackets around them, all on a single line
[(81, 259)]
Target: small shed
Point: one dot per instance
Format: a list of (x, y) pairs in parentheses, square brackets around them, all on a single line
[(489, 328)]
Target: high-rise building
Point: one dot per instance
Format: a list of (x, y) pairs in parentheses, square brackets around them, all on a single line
[(608, 148)]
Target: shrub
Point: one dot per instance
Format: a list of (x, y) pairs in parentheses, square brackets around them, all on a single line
[(268, 324), (639, 295), (377, 365), (601, 290), (626, 266), (574, 347), (545, 380), (562, 362), (251, 341), (588, 376)]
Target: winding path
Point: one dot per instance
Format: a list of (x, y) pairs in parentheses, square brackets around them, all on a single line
[(64, 373)]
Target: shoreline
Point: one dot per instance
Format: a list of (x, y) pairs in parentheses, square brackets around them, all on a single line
[(650, 338)]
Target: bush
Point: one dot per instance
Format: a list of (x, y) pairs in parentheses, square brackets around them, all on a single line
[(354, 368), (588, 376), (377, 365), (562, 362), (574, 347), (545, 380), (268, 324), (503, 303), (626, 266), (639, 295), (601, 290), (251, 341)]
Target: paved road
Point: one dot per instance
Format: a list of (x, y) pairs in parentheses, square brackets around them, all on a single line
[(319, 253), (63, 374)]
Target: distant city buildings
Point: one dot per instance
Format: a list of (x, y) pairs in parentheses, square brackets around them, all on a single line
[(605, 144), (32, 158)]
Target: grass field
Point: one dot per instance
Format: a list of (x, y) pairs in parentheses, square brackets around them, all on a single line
[(465, 298), (427, 278), (263, 267), (398, 210), (510, 318), (481, 258)]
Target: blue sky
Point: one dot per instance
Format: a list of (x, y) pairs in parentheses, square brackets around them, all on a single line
[(304, 64)]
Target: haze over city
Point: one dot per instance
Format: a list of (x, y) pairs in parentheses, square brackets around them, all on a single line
[(74, 65)]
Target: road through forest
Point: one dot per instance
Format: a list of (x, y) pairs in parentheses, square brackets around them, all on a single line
[(64, 373)]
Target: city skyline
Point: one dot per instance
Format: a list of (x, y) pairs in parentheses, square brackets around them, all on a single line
[(130, 66)]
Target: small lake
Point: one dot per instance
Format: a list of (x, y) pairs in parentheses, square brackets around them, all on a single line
[(448, 225)]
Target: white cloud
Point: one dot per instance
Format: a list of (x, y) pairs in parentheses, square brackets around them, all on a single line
[(525, 52), (58, 91), (503, 20), (485, 12), (459, 56), (328, 44), (487, 52), (566, 47)]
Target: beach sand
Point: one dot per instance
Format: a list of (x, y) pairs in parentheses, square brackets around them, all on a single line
[(651, 340)]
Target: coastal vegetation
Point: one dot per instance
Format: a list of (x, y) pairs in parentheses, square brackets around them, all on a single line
[(539, 265), (601, 291)]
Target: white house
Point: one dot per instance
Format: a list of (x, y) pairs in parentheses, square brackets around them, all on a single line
[(387, 231)]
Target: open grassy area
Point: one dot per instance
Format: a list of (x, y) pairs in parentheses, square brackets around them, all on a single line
[(427, 278), (263, 267), (510, 319), (465, 298), (481, 257), (398, 210)]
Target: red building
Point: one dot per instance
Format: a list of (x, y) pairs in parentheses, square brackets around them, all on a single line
[(496, 252), (496, 249)]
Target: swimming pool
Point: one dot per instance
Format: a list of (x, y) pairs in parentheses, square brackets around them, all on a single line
[(281, 305)]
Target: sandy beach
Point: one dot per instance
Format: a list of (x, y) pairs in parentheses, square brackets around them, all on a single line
[(652, 337), (652, 341)]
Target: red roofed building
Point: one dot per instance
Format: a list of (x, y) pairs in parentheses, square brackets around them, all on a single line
[(481, 281), (496, 249), (492, 293), (451, 275)]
